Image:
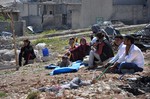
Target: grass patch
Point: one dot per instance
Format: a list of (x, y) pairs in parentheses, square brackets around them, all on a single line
[(29, 33), (48, 32), (131, 30), (33, 95), (6, 72), (57, 44), (2, 94), (41, 40), (148, 64)]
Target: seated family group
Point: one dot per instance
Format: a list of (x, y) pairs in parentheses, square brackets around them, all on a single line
[(99, 50)]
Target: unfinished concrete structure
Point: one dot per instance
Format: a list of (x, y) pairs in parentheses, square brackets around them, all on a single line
[(66, 14), (61, 13), (49, 14), (8, 8), (84, 13), (127, 11), (93, 11), (131, 11)]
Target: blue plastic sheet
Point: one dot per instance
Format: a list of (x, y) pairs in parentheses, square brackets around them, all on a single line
[(73, 68), (51, 66)]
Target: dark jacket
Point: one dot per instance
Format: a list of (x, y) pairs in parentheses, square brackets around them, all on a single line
[(28, 50), (27, 53), (104, 49)]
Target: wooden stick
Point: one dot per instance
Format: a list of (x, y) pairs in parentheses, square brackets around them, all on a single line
[(14, 36)]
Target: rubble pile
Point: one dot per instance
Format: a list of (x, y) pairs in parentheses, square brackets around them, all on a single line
[(138, 86), (6, 43)]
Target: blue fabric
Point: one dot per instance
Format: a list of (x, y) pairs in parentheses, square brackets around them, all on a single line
[(74, 68), (51, 66)]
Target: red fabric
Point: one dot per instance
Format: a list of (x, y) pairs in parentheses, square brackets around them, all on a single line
[(29, 56), (80, 52), (100, 48), (73, 56)]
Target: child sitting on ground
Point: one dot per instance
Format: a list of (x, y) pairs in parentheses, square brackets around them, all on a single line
[(64, 62)]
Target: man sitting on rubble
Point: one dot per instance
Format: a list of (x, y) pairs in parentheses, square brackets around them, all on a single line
[(131, 59), (121, 48), (26, 52), (101, 51)]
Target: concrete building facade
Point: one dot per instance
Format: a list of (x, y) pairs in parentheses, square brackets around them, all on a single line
[(93, 11), (30, 13), (131, 12), (8, 8), (66, 14), (50, 14)]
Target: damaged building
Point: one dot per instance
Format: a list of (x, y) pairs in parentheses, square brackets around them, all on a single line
[(8, 8), (66, 14), (73, 14), (131, 11), (49, 14)]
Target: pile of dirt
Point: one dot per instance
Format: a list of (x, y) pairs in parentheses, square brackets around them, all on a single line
[(6, 43), (137, 87)]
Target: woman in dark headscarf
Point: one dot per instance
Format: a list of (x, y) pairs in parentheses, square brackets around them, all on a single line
[(26, 52), (81, 51)]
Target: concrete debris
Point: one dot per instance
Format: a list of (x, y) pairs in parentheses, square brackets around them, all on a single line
[(137, 87)]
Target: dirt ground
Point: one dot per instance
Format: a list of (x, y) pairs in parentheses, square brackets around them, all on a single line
[(19, 84)]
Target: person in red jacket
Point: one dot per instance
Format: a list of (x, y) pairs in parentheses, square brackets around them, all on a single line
[(81, 51), (101, 51)]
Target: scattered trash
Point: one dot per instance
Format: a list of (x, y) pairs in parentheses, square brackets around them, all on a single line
[(137, 86), (6, 34), (142, 38), (30, 28), (131, 79), (34, 29), (73, 84)]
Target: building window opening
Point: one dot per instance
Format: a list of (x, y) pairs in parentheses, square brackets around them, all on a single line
[(51, 12)]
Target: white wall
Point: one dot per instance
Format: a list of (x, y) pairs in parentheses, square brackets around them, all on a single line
[(128, 12), (92, 9), (23, 8), (75, 19), (33, 9), (27, 9), (149, 9), (132, 13)]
